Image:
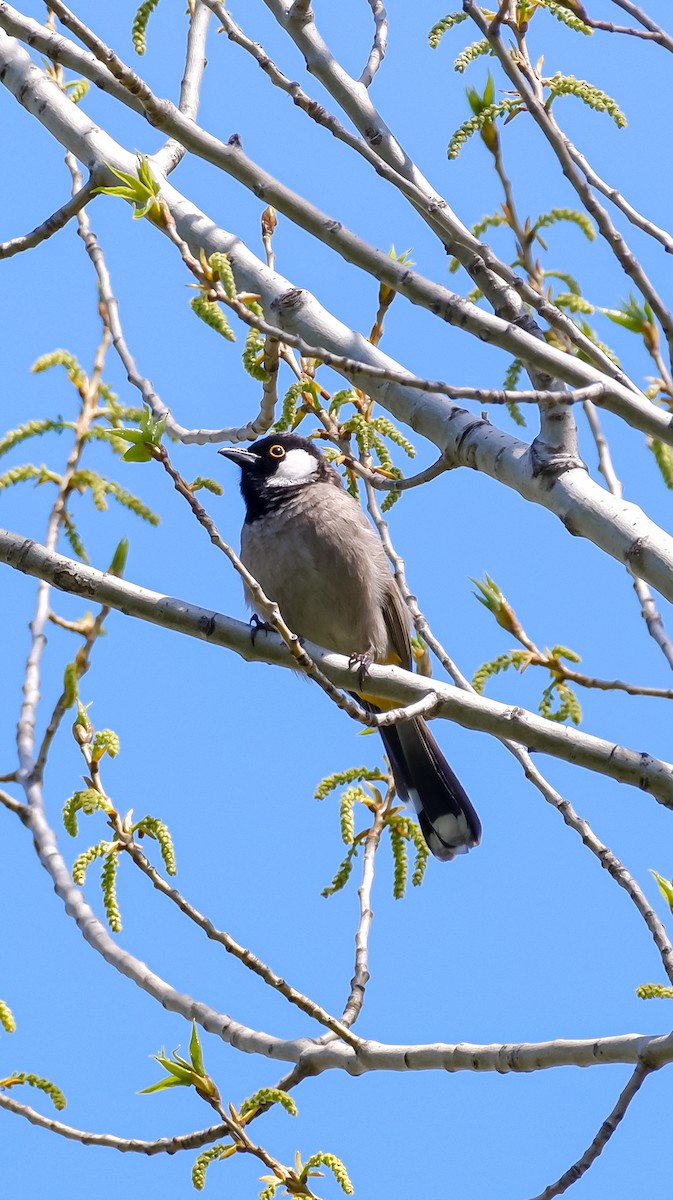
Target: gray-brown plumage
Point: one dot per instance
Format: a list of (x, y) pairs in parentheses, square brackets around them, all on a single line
[(310, 546)]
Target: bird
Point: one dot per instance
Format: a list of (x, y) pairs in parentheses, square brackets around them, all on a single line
[(310, 546)]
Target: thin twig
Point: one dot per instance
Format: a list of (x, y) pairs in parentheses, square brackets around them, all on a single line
[(60, 708), (653, 619), (611, 193), (610, 27), (378, 50), (56, 221), (646, 21), (250, 960), (183, 1141), (360, 978), (525, 80), (432, 207), (601, 1139), (13, 805), (605, 856)]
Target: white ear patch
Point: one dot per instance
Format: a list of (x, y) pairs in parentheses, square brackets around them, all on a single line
[(298, 466)]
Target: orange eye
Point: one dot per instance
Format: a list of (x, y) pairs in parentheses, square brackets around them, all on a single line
[(276, 451)]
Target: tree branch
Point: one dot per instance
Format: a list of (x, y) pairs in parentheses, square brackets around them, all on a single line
[(384, 682), (353, 1006), (664, 39), (56, 221), (241, 1037), (171, 153), (601, 1139), (506, 334), (560, 145), (184, 1141), (618, 528), (245, 956), (605, 856), (378, 50), (13, 805)]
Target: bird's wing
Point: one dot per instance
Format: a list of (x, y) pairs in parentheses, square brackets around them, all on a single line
[(396, 617)]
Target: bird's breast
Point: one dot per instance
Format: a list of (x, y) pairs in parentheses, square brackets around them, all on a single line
[(319, 559)]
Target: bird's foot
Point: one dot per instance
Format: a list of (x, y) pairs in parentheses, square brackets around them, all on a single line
[(363, 662), (257, 626)]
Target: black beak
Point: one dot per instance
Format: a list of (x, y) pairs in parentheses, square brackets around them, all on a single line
[(242, 458)]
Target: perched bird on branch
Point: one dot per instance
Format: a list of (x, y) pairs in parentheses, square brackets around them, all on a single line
[(312, 549)]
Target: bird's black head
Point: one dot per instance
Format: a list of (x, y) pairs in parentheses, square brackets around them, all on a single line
[(276, 468)]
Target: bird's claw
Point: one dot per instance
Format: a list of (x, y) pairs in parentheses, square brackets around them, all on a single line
[(363, 662), (258, 626)]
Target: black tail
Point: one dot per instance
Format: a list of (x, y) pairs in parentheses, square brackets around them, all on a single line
[(423, 777)]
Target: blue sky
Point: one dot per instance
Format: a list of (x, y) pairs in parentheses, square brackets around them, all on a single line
[(526, 938)]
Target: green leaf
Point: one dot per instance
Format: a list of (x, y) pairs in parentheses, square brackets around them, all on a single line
[(665, 888), (137, 454), (195, 1051), (162, 1084), (119, 558), (184, 1074)]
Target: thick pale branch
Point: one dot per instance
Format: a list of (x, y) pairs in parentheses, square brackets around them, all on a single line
[(383, 153), (507, 334), (171, 153), (387, 683), (615, 526)]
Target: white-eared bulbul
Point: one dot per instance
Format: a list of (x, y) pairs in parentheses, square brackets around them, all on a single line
[(312, 549)]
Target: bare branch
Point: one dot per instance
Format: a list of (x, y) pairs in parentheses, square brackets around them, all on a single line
[(13, 805), (383, 682), (619, 201), (250, 960), (646, 21), (378, 50), (56, 221), (560, 145), (610, 27), (171, 153), (605, 856), (653, 619), (601, 1139), (184, 1141), (93, 931), (360, 979), (618, 528), (650, 613)]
